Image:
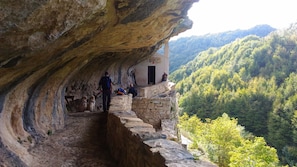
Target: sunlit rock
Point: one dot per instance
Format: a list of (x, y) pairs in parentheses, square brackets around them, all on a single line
[(50, 47)]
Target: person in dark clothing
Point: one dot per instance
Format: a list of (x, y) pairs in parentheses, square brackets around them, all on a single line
[(106, 87), (164, 77), (132, 90)]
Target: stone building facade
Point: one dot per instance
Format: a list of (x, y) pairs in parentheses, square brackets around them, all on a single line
[(150, 71)]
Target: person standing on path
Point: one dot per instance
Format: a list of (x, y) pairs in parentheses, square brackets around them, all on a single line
[(106, 88)]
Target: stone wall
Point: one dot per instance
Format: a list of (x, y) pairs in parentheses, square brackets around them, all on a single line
[(134, 143), (121, 103), (153, 90), (153, 110), (156, 103)]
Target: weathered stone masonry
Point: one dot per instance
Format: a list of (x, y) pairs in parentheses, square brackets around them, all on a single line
[(156, 103), (134, 143), (153, 110)]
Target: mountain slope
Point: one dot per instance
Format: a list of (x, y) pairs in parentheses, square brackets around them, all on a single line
[(185, 49), (253, 80)]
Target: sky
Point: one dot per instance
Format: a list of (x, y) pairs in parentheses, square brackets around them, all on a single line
[(214, 16)]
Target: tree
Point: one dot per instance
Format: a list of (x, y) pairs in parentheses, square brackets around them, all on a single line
[(227, 144), (253, 80), (254, 153), (222, 136)]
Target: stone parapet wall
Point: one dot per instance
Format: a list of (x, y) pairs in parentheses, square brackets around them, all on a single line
[(121, 103), (153, 90), (153, 110), (134, 143)]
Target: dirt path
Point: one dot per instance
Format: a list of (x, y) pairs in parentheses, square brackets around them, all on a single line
[(81, 143)]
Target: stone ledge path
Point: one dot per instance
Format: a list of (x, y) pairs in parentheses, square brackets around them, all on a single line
[(82, 143)]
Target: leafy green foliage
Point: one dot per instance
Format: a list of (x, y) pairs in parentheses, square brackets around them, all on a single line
[(227, 144), (254, 153), (253, 80)]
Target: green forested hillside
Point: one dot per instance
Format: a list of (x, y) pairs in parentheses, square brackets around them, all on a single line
[(185, 49), (252, 79)]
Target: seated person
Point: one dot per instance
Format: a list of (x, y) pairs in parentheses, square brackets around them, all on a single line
[(132, 90), (164, 77), (121, 91)]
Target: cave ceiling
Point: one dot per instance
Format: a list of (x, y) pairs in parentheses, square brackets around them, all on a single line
[(47, 45)]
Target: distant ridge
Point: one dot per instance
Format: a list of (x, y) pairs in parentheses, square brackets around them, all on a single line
[(185, 49)]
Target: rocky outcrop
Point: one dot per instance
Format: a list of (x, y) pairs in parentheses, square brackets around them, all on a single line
[(52, 47)]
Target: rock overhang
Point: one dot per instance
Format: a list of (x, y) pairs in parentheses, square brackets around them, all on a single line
[(49, 45)]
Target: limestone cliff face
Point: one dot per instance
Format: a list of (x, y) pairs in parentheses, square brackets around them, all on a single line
[(48, 46)]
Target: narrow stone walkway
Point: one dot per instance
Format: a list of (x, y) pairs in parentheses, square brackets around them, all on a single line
[(82, 143)]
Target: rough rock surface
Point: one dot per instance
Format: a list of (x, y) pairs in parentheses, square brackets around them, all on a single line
[(50, 47)]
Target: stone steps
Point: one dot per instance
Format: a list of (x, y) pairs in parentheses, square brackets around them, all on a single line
[(81, 143)]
